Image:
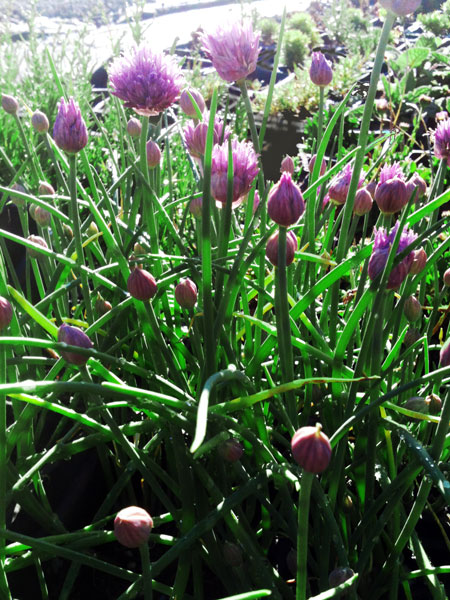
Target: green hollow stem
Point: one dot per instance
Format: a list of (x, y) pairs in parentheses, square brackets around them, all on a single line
[(32, 156), (302, 534), (4, 588), (75, 217), (146, 571), (282, 320), (320, 115)]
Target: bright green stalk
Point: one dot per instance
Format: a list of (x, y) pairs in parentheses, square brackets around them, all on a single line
[(146, 571), (302, 534), (320, 115), (75, 217), (4, 588)]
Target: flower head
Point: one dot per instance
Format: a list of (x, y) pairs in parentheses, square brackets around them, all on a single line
[(74, 337), (10, 104), (390, 172), (186, 293), (153, 154), (417, 186), (442, 141), (233, 50), (320, 70), (40, 122), (70, 132), (285, 204), (363, 202), (340, 185), (401, 8), (195, 136), (147, 82), (245, 169), (311, 449), (312, 162), (391, 196), (132, 526), (141, 284), (186, 103), (272, 247), (381, 248), (6, 313)]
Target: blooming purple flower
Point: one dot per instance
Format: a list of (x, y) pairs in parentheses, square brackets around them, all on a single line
[(340, 185), (320, 70), (390, 171), (442, 141), (70, 132), (233, 50), (195, 136), (245, 169), (147, 82), (401, 8), (381, 248)]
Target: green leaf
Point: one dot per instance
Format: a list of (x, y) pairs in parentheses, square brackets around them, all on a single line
[(412, 58)]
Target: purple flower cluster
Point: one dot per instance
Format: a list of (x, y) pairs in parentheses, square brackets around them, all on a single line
[(340, 185), (442, 141), (381, 248), (147, 82), (195, 136), (245, 169), (233, 50)]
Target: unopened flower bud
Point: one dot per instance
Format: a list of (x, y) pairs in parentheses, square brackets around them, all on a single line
[(74, 337), (446, 278), (40, 122), (45, 189), (401, 8), (231, 450), (312, 162), (134, 127), (153, 154), (70, 131), (141, 284), (67, 231), (339, 575), (434, 404), (285, 204), (6, 313), (256, 202), (92, 229), (412, 309), (42, 217), (311, 449), (419, 261), (132, 526), (371, 187), (363, 202), (232, 555), (186, 293), (36, 239), (287, 164), (195, 207), (320, 71), (138, 249), (186, 103), (391, 196), (417, 186), (19, 202), (444, 355), (10, 104), (102, 306), (416, 404), (272, 248), (411, 336)]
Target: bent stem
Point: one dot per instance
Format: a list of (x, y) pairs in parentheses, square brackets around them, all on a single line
[(146, 571), (302, 534)]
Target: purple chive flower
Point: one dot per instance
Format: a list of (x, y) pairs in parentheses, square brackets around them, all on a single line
[(153, 154), (419, 262), (442, 141), (245, 169), (132, 526), (186, 293), (401, 8), (74, 337), (380, 253), (147, 82), (390, 172), (340, 185), (40, 122), (312, 162), (233, 50), (416, 185), (287, 164), (195, 136), (6, 313), (320, 70), (285, 204), (186, 103), (70, 132), (10, 104), (363, 202), (391, 196), (272, 248)]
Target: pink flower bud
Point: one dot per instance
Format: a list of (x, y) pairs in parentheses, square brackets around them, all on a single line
[(141, 284), (416, 184), (256, 201), (40, 122), (186, 103), (134, 127), (412, 309), (45, 189), (36, 239), (153, 154), (19, 202), (232, 555), (287, 164), (195, 207), (285, 204), (446, 278), (70, 131), (417, 404), (401, 8), (186, 293), (419, 261), (320, 71), (391, 196), (434, 404), (42, 217), (363, 202), (6, 313), (272, 248), (371, 187), (444, 355), (102, 306), (74, 337), (411, 336), (132, 526), (312, 162), (311, 449), (10, 104), (231, 450), (339, 575)]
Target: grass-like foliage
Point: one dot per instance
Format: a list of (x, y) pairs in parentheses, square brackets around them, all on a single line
[(171, 321)]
